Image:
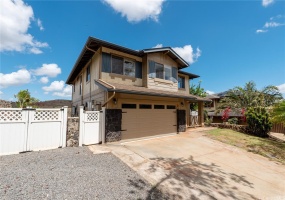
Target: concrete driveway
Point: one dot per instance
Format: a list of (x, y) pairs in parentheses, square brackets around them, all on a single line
[(192, 166)]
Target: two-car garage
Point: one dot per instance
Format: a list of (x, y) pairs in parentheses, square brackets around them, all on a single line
[(146, 119)]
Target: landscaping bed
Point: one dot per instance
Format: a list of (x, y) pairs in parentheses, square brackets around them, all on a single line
[(274, 150)]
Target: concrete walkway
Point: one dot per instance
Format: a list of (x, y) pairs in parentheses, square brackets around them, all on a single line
[(278, 136), (192, 166)]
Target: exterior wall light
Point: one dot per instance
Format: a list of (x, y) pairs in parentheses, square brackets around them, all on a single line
[(115, 101)]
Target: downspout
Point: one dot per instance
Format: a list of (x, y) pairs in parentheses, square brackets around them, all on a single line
[(112, 94), (90, 75)]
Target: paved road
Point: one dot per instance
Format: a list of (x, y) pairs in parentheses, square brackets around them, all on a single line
[(70, 173)]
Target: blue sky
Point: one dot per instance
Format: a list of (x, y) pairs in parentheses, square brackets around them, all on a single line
[(227, 43)]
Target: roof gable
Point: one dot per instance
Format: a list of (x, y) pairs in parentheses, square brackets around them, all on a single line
[(170, 52)]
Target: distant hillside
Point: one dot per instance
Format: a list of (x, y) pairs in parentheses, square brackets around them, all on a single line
[(5, 104), (58, 103)]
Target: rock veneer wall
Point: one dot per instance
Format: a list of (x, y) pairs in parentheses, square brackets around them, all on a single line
[(113, 125), (181, 120), (72, 134)]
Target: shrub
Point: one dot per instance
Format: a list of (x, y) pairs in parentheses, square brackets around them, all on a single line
[(226, 114), (258, 121), (243, 118), (208, 121), (233, 120)]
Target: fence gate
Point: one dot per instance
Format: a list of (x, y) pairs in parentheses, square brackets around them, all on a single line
[(31, 130), (90, 127), (194, 119)]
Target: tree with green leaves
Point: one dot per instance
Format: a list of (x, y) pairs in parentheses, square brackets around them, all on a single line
[(258, 120), (198, 91), (249, 96), (24, 98), (278, 112)]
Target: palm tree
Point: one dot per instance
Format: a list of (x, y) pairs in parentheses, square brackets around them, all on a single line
[(24, 98), (249, 96)]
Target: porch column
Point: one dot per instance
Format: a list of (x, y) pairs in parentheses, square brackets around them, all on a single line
[(201, 113), (187, 113)]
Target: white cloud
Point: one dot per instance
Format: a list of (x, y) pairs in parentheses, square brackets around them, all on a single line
[(261, 31), (54, 86), (266, 3), (277, 17), (210, 92), (272, 24), (137, 10), (58, 88), (158, 46), (281, 88), (1, 92), (66, 92), (15, 19), (50, 70), (20, 77), (44, 80), (40, 24), (188, 54)]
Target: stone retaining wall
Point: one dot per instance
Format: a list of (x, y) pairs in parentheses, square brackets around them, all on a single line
[(235, 127), (72, 134)]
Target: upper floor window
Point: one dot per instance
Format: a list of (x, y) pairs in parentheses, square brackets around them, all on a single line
[(88, 76), (122, 66), (167, 73), (119, 65), (181, 82), (74, 87), (157, 70)]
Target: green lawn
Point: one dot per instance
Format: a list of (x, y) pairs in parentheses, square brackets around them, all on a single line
[(263, 146)]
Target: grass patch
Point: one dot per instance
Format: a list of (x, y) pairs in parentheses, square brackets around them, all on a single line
[(266, 147)]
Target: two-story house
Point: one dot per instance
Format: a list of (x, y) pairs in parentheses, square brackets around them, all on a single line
[(145, 93), (212, 107)]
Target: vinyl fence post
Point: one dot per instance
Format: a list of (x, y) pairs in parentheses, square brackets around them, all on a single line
[(81, 126), (103, 124), (64, 125)]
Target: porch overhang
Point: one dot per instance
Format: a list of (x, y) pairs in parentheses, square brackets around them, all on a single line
[(127, 89)]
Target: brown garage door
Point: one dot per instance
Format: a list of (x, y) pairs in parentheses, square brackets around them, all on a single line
[(142, 120)]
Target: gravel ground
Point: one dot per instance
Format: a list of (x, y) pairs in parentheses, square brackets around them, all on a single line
[(70, 173)]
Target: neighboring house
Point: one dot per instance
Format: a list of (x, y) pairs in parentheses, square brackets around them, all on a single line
[(212, 106), (144, 92)]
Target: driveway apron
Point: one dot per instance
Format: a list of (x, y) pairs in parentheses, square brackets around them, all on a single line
[(192, 166)]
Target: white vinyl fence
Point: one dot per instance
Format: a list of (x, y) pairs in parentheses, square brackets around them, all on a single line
[(24, 130), (194, 119), (91, 127)]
